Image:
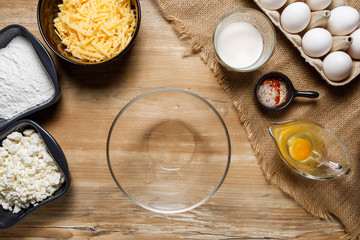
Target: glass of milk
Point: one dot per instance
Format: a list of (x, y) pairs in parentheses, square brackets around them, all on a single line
[(244, 40)]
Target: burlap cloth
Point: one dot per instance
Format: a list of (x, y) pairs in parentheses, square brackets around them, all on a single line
[(337, 108)]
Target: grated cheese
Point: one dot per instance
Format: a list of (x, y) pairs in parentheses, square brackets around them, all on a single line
[(95, 30)]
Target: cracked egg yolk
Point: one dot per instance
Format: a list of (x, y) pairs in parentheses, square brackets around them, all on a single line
[(300, 149)]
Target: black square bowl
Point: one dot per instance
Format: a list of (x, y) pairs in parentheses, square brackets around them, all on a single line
[(8, 218), (9, 33)]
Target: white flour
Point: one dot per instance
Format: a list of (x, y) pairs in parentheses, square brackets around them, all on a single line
[(24, 83)]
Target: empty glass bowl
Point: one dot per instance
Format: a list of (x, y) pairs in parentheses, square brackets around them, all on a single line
[(168, 150), (244, 40)]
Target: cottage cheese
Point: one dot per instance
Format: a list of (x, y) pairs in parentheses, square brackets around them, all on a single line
[(28, 173)]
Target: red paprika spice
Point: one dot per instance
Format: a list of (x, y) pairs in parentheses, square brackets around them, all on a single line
[(272, 92)]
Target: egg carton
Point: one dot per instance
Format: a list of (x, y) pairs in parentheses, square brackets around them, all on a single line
[(318, 19)]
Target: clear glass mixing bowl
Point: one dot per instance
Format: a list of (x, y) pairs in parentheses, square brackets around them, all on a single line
[(168, 150)]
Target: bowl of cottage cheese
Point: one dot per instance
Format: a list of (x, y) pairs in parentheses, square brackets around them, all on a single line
[(33, 171)]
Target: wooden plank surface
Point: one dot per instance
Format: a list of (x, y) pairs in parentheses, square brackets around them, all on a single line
[(245, 207)]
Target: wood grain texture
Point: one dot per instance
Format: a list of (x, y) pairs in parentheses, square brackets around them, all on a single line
[(245, 207)]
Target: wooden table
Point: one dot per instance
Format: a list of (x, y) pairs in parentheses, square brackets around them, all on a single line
[(245, 207)]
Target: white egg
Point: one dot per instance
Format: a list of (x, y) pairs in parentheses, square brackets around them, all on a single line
[(272, 4), (295, 17), (343, 20), (354, 49), (337, 66), (316, 42), (317, 5)]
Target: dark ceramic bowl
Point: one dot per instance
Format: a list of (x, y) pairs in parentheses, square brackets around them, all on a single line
[(9, 219), (291, 91), (48, 10), (6, 35)]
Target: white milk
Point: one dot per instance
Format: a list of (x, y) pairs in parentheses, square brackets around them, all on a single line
[(239, 45)]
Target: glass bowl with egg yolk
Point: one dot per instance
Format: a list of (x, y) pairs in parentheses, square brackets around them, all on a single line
[(310, 149)]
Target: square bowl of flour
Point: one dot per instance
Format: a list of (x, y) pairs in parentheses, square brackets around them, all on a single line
[(33, 171), (28, 75)]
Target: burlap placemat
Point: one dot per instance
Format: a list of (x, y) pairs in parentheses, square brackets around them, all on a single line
[(337, 108)]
